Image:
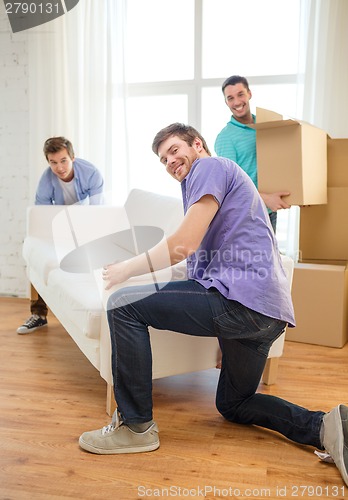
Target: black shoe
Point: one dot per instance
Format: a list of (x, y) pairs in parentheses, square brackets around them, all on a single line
[(32, 323)]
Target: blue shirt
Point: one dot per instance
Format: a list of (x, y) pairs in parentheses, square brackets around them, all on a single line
[(239, 254), (88, 183), (237, 142)]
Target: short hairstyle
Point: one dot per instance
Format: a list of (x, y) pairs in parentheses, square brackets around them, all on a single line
[(55, 144), (233, 80), (185, 132)]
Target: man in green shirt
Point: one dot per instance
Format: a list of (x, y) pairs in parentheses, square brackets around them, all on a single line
[(237, 141)]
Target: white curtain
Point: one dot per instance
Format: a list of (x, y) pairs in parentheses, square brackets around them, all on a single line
[(77, 89), (322, 81), (325, 103), (76, 86)]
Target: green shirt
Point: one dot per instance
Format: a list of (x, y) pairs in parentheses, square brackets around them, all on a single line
[(237, 142)]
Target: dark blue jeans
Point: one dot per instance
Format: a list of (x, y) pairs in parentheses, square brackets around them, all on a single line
[(273, 219), (245, 338)]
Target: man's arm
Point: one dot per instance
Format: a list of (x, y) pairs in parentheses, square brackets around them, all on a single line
[(44, 191), (177, 247), (96, 188), (274, 201)]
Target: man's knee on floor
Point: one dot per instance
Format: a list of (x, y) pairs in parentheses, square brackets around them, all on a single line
[(229, 410)]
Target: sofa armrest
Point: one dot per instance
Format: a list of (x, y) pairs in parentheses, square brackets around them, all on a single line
[(39, 221)]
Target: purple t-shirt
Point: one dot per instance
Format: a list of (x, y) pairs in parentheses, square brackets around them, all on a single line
[(239, 254)]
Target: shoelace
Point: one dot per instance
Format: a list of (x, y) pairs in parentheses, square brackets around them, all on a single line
[(32, 320), (116, 422), (324, 456)]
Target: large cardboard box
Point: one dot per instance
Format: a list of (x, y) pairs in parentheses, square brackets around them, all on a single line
[(291, 156), (337, 162), (323, 232), (320, 300)]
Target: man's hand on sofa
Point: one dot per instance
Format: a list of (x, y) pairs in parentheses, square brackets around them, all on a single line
[(169, 251), (116, 273)]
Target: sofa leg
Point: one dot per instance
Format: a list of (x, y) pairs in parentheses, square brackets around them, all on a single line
[(270, 372), (110, 400), (33, 293)]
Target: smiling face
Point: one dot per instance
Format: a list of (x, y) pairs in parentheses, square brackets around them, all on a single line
[(178, 156), (61, 164), (237, 98)]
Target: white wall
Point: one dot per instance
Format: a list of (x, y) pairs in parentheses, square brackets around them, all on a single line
[(14, 154)]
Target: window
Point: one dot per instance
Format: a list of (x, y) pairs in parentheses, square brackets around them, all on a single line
[(258, 37), (174, 76), (146, 171), (179, 53), (159, 40)]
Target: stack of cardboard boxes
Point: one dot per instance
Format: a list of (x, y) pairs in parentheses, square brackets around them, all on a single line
[(302, 159), (321, 286)]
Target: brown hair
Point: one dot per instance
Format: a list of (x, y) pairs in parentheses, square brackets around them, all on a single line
[(185, 132), (55, 144), (233, 80)]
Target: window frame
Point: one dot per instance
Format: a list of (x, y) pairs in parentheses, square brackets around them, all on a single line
[(193, 88)]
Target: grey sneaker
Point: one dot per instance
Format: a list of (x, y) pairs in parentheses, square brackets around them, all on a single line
[(119, 438), (335, 438), (32, 323)]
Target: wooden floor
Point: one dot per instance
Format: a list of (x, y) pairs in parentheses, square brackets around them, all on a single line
[(50, 394)]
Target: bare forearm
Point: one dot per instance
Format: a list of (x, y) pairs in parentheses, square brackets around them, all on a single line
[(169, 251), (166, 253)]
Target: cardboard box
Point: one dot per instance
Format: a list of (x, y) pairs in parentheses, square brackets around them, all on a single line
[(319, 294), (291, 156), (323, 232), (324, 261), (337, 162)]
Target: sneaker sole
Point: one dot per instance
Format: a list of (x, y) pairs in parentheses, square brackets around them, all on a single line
[(333, 427), (30, 330), (116, 451)]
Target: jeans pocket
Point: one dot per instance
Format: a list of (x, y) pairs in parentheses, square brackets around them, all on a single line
[(241, 322)]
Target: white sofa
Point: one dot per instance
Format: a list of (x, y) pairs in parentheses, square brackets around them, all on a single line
[(65, 249)]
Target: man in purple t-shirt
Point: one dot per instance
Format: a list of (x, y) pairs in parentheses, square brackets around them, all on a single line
[(237, 291)]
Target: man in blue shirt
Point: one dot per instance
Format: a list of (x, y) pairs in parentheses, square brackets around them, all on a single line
[(236, 291), (237, 141), (67, 181)]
